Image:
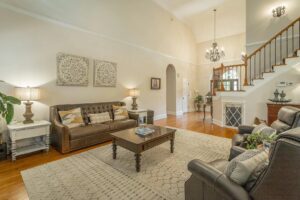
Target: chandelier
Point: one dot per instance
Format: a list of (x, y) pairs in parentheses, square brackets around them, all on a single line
[(215, 53)]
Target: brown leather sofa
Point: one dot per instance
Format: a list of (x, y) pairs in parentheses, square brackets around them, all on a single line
[(279, 181), (66, 139)]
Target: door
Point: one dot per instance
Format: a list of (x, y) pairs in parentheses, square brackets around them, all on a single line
[(186, 96)]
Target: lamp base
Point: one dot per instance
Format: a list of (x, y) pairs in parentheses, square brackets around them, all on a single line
[(28, 114), (134, 104)]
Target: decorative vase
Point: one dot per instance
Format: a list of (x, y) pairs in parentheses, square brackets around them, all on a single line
[(282, 96), (276, 94)]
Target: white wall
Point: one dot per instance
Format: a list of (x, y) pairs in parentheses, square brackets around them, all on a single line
[(233, 46), (136, 34), (260, 23)]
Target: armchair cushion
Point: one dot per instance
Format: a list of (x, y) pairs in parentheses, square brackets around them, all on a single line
[(287, 114), (280, 126), (240, 168), (264, 130)]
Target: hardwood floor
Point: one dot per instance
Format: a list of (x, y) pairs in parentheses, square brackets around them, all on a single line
[(11, 183)]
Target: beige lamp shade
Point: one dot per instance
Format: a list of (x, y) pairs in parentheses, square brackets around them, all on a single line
[(134, 92), (27, 93)]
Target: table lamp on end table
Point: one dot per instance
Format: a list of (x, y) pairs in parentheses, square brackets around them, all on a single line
[(28, 94)]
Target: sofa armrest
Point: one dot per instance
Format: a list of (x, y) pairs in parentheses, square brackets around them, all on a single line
[(213, 181), (134, 116), (61, 138), (245, 129)]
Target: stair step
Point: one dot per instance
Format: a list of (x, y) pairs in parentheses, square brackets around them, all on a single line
[(279, 65)]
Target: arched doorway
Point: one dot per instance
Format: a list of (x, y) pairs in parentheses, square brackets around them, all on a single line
[(171, 89)]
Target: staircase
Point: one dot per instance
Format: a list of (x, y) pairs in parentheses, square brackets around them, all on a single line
[(279, 54)]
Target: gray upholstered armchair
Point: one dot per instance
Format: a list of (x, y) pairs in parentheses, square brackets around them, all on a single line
[(279, 181), (288, 118)]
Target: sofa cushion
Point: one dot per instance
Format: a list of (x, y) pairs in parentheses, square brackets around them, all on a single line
[(80, 132), (121, 124), (280, 126)]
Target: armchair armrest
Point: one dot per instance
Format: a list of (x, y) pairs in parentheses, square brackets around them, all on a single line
[(245, 129), (60, 139), (235, 151), (214, 182)]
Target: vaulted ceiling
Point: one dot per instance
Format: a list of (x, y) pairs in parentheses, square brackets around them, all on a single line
[(198, 15)]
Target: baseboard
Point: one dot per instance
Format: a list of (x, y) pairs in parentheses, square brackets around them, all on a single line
[(218, 122), (158, 117), (178, 113)]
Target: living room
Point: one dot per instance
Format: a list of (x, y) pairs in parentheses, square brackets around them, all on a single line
[(149, 99)]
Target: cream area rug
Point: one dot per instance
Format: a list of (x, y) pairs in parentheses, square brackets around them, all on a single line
[(95, 175)]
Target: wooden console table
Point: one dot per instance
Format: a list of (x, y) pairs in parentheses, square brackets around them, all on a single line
[(273, 109)]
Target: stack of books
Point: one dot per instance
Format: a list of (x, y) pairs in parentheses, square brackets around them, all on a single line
[(143, 131)]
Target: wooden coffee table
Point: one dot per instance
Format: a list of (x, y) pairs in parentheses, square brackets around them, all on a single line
[(129, 140)]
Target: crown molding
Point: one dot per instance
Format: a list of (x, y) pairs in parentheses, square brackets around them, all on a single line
[(87, 31)]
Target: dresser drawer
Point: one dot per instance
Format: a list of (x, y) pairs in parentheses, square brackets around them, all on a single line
[(29, 133)]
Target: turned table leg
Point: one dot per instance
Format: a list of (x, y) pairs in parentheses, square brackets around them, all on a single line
[(172, 145), (13, 150), (114, 147), (138, 162)]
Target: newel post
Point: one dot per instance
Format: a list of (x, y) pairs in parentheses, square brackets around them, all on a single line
[(246, 70), (212, 84)]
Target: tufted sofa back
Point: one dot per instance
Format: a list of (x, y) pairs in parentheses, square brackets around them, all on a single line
[(87, 108)]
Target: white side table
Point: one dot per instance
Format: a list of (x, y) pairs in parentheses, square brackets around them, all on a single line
[(37, 134), (142, 114)]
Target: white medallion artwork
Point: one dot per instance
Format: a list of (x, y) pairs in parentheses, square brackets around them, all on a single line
[(72, 70), (105, 74)]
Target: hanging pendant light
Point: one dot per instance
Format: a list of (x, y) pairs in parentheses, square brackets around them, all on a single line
[(214, 54)]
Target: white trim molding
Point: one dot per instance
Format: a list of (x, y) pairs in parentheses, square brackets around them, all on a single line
[(177, 113), (158, 117)]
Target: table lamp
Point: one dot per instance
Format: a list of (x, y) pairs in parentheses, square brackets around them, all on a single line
[(134, 93), (28, 94)]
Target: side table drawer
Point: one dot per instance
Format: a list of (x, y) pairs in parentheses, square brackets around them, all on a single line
[(29, 133)]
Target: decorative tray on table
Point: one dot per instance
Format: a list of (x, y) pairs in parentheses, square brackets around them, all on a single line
[(143, 131)]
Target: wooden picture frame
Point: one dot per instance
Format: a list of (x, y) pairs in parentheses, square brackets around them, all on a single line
[(155, 83)]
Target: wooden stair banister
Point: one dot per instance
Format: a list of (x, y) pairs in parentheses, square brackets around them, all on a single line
[(263, 59)]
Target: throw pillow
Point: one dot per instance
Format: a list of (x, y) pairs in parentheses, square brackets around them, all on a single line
[(120, 112), (71, 118), (264, 130), (241, 167), (255, 175), (99, 118)]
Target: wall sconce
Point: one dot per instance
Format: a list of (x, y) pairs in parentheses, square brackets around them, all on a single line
[(279, 11)]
